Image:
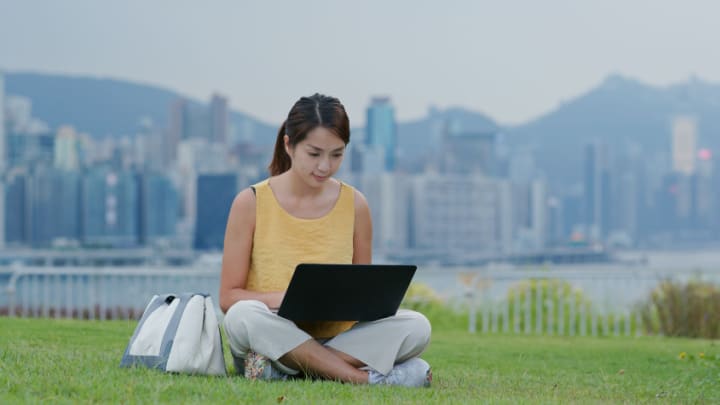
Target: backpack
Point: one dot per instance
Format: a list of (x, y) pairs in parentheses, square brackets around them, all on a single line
[(178, 333)]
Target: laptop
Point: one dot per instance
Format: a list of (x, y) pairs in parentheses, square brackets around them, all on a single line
[(345, 292)]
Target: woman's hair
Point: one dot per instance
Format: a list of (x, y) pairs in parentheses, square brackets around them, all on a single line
[(307, 114)]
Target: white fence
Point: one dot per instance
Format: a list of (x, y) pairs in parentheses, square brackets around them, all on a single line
[(97, 293), (597, 301), (563, 302)]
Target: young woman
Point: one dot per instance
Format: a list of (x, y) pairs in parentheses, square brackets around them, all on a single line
[(302, 214)]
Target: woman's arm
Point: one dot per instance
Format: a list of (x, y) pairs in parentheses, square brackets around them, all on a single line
[(236, 255), (362, 234)]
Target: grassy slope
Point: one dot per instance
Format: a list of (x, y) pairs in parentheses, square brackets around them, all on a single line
[(77, 361)]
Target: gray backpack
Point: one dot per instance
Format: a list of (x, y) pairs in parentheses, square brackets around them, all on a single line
[(178, 333)]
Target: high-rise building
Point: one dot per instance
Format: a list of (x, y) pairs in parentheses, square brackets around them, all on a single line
[(189, 121), (626, 204), (684, 144), (572, 220), (2, 213), (55, 207), (200, 156), (468, 153), (178, 128), (388, 195), (30, 149), (159, 208), (215, 194), (596, 192), (530, 215), (462, 214), (18, 113), (366, 160), (18, 116), (110, 208), (16, 208), (66, 149), (3, 155), (218, 119), (382, 129)]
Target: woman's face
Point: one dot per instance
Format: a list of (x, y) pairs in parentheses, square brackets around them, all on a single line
[(317, 157)]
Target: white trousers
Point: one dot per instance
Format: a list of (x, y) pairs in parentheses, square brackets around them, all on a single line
[(250, 325)]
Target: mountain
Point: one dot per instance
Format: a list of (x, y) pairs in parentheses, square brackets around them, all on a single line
[(109, 107), (623, 113)]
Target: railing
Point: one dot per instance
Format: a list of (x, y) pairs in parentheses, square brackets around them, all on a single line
[(572, 301), (579, 301), (96, 293)]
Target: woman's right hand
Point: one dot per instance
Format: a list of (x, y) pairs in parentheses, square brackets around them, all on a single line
[(274, 299)]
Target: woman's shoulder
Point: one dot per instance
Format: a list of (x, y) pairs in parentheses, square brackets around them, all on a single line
[(244, 202), (358, 197), (359, 200), (260, 184)]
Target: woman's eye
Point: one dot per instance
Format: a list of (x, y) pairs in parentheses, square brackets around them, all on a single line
[(314, 154)]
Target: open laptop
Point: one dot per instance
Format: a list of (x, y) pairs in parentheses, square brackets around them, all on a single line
[(345, 292)]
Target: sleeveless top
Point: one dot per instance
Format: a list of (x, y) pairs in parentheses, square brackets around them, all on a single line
[(282, 241)]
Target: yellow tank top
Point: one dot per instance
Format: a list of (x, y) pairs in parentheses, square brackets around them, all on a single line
[(282, 241)]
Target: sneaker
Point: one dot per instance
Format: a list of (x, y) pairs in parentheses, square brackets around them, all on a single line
[(259, 367), (415, 372)]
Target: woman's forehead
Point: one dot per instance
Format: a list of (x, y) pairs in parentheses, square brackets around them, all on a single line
[(323, 138)]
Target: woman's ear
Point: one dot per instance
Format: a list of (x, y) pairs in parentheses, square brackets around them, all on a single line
[(286, 140)]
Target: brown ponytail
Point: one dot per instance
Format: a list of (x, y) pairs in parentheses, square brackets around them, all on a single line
[(307, 114), (280, 161)]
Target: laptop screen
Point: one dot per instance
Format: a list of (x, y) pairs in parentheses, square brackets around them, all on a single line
[(345, 292)]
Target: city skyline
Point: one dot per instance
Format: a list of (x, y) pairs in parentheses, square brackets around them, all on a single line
[(511, 63)]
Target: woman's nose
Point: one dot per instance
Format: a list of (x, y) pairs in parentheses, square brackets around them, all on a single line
[(324, 164)]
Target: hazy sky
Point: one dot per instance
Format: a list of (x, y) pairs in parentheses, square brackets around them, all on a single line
[(513, 60)]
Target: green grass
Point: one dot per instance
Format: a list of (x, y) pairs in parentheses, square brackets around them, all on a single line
[(66, 361)]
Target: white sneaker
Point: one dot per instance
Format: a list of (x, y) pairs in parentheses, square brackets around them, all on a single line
[(415, 372)]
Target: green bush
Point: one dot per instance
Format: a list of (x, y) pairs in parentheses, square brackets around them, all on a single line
[(689, 309), (441, 314)]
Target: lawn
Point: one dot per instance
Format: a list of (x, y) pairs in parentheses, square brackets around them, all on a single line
[(69, 361)]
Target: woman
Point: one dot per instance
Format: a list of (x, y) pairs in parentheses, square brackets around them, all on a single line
[(302, 214)]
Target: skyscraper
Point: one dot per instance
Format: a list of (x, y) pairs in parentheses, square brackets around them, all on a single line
[(469, 153), (218, 119), (66, 149), (684, 144), (159, 208), (55, 207), (16, 207), (110, 208), (596, 192), (2, 214), (381, 129), (215, 194), (177, 129), (461, 214), (388, 194), (3, 157)]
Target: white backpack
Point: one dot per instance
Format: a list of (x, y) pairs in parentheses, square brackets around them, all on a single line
[(178, 333)]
